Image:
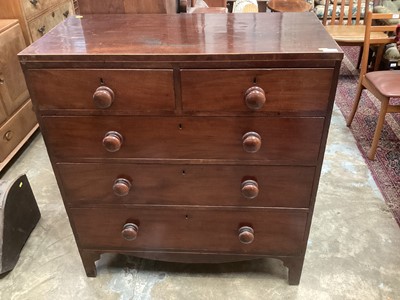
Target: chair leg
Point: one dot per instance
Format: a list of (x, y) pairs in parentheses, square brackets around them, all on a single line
[(360, 57), (378, 129), (378, 57), (355, 104)]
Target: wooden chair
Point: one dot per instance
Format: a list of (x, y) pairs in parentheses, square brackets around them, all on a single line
[(346, 24), (384, 85)]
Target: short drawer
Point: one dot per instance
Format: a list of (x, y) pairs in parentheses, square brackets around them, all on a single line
[(286, 90), (208, 185), (105, 90), (44, 23), (35, 7), (16, 128), (279, 139), (203, 230)]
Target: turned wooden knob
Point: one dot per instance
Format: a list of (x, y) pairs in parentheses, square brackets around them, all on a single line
[(249, 189), (103, 97), (112, 141), (121, 187), (130, 231), (246, 235), (255, 98), (8, 135), (251, 142)]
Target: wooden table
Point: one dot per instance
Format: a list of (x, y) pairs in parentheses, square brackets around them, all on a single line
[(289, 5)]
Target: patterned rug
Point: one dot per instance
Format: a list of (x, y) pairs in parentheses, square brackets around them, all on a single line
[(386, 167)]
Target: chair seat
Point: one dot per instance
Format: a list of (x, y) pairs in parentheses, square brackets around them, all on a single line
[(347, 33), (386, 82), (351, 33)]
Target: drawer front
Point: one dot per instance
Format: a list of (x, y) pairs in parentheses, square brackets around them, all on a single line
[(130, 90), (191, 229), (44, 23), (15, 129), (36, 7), (286, 90), (207, 185), (282, 139)]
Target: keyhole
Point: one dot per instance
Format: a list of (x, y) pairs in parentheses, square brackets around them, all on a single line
[(183, 172), (101, 81), (180, 126), (255, 80)]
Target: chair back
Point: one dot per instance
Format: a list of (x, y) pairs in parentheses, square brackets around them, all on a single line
[(345, 12), (374, 27)]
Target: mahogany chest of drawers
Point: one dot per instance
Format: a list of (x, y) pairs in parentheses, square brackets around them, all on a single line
[(188, 138)]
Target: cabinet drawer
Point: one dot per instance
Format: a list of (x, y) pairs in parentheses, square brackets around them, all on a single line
[(282, 139), (208, 185), (286, 90), (131, 90), (191, 229), (36, 7), (44, 23), (15, 129)]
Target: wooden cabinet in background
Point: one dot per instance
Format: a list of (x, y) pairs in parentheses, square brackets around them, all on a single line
[(76, 7), (36, 17), (127, 6), (17, 119)]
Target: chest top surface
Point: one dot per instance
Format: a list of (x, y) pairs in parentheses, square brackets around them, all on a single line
[(222, 37)]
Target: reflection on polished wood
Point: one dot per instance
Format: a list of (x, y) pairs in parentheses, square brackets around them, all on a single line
[(227, 35)]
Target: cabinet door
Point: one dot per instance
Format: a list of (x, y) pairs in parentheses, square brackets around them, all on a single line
[(13, 90)]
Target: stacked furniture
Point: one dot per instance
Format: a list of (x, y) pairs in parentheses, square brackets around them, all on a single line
[(174, 143), (35, 18), (17, 119)]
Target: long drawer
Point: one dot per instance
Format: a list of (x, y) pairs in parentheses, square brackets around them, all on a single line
[(291, 140), (127, 90), (208, 185), (286, 90), (208, 230)]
